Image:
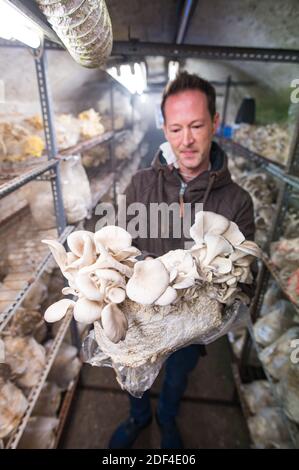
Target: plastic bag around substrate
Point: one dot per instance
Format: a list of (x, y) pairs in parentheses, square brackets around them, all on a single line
[(137, 379)]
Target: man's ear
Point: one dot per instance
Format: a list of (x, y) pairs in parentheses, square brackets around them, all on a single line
[(216, 121)]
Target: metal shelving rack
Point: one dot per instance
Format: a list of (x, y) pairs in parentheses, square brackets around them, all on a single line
[(288, 178), (50, 171)]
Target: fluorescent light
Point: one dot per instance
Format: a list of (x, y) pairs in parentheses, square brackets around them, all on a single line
[(133, 78), (173, 69), (15, 25), (143, 98)]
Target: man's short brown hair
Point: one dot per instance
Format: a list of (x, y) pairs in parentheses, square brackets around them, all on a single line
[(185, 81)]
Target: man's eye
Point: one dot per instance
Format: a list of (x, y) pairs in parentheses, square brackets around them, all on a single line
[(198, 126), (175, 130)]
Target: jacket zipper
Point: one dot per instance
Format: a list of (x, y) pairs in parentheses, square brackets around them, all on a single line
[(181, 197)]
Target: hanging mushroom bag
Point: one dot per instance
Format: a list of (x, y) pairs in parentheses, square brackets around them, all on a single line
[(84, 27), (143, 311)]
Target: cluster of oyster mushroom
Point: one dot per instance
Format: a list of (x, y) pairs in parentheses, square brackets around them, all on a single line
[(96, 268), (102, 271)]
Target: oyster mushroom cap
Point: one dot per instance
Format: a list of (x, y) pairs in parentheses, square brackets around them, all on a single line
[(116, 295), (169, 296), (110, 275), (71, 257), (87, 311), (114, 323), (69, 291), (224, 278), (58, 252), (244, 261), (216, 245), (233, 234), (184, 282), (77, 240), (207, 222), (87, 286), (179, 259), (88, 256), (150, 279), (106, 260), (57, 310), (199, 253), (113, 238), (126, 253), (222, 265), (250, 248)]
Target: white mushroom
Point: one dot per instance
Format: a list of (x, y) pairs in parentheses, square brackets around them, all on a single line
[(126, 253), (114, 323), (113, 238), (150, 279), (184, 282), (87, 286), (179, 259), (71, 257), (116, 295), (87, 311), (224, 278), (216, 245), (233, 234), (58, 310), (69, 291), (199, 253), (76, 241), (244, 261), (207, 222), (167, 297), (110, 275), (58, 252), (221, 265), (106, 260), (250, 248), (181, 268), (61, 257), (88, 256)]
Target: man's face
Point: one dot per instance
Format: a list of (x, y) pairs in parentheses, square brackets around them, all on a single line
[(189, 128)]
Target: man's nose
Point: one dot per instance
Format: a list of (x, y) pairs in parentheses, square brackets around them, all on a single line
[(187, 137)]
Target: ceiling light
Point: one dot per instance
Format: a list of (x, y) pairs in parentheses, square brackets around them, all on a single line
[(15, 25), (133, 76), (173, 69)]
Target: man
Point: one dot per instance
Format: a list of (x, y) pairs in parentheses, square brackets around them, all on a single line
[(190, 168)]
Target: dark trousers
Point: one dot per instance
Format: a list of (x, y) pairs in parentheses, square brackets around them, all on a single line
[(177, 368)]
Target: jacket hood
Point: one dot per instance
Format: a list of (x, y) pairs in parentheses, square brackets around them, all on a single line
[(219, 171)]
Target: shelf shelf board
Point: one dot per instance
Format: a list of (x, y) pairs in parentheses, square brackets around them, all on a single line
[(10, 310), (275, 274), (291, 427), (24, 177), (86, 145), (65, 408), (274, 168), (35, 392)]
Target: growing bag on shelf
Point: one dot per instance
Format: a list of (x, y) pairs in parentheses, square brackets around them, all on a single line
[(75, 191)]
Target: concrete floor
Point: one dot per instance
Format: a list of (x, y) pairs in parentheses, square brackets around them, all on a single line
[(210, 415)]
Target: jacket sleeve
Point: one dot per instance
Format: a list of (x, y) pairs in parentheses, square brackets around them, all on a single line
[(245, 221), (245, 218)]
